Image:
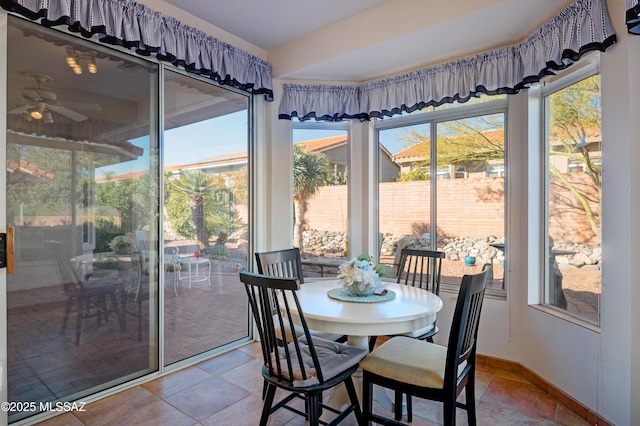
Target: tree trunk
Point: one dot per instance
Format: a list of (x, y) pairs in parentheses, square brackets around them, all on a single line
[(197, 215), (298, 209)]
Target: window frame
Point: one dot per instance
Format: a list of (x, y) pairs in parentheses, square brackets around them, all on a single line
[(538, 233), (433, 118)]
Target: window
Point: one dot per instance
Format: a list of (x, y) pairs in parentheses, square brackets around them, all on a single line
[(320, 185), (572, 192), (495, 170), (466, 145)]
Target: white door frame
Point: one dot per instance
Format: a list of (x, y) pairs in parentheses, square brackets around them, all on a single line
[(3, 214)]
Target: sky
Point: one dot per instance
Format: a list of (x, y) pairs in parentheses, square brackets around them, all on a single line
[(223, 135)]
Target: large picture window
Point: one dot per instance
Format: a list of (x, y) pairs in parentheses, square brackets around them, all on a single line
[(573, 193), (462, 210)]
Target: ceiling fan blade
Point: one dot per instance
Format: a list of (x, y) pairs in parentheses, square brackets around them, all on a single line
[(67, 112), (21, 109), (80, 105), (31, 94)]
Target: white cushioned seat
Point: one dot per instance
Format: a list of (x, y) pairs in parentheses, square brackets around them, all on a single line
[(410, 361)]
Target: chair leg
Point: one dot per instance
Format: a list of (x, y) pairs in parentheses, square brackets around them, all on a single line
[(398, 405), (367, 400), (449, 411), (313, 408), (470, 400), (353, 396), (268, 401), (409, 409), (67, 311)]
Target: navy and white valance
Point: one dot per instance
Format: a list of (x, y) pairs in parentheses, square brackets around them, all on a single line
[(135, 26), (633, 16), (582, 27)]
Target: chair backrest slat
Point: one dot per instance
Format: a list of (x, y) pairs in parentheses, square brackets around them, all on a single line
[(464, 327), (421, 268), (272, 300), (71, 281)]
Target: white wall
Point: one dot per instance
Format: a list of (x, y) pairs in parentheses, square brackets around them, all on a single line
[(592, 367)]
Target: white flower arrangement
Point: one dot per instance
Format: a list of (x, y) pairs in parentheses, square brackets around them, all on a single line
[(121, 244), (359, 276)]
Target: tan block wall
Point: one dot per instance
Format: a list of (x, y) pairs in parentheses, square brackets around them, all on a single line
[(466, 207)]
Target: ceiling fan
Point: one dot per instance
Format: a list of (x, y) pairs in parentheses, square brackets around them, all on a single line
[(43, 101)]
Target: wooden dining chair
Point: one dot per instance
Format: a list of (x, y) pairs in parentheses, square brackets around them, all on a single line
[(97, 298), (288, 263), (423, 269), (281, 263), (304, 367), (427, 370)]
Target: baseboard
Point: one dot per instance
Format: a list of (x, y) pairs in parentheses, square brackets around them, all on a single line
[(580, 410)]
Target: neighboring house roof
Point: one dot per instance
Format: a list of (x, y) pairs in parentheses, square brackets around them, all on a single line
[(132, 175), (421, 150), (319, 145), (25, 170), (240, 157)]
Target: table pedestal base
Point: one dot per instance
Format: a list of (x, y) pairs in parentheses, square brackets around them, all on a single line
[(338, 397)]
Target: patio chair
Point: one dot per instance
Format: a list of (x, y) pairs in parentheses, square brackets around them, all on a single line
[(427, 370), (86, 300), (287, 263), (171, 260), (306, 366)]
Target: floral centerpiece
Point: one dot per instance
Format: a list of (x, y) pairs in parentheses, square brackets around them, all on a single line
[(121, 244), (359, 276)]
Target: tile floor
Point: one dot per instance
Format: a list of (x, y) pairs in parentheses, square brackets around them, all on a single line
[(226, 391)]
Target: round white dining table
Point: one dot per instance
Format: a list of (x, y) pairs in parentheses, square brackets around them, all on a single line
[(411, 309)]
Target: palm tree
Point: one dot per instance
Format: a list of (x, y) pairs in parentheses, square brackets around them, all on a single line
[(196, 184), (310, 170)]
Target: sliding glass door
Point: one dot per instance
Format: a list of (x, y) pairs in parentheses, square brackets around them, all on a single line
[(81, 197), (205, 156)]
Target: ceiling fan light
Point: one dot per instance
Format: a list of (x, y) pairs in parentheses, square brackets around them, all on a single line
[(92, 67), (36, 112), (77, 69), (71, 61), (47, 118)]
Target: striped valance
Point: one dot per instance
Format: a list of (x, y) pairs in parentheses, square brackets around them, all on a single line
[(135, 26), (633, 16), (582, 27)]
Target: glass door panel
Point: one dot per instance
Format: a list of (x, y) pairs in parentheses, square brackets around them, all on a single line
[(205, 157), (82, 194)]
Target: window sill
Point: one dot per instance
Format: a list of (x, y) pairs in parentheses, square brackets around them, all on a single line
[(563, 315)]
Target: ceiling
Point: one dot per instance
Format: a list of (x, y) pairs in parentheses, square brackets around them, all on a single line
[(361, 40)]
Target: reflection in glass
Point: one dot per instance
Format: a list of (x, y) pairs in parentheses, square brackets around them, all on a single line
[(82, 177), (573, 256)]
